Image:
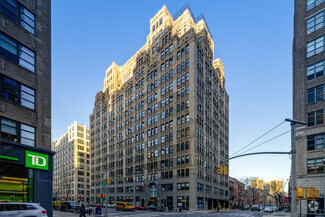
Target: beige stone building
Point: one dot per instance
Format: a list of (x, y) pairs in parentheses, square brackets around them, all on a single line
[(258, 183), (276, 186), (272, 186), (162, 120), (71, 176)]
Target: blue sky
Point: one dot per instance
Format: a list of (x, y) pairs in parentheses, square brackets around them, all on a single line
[(253, 39)]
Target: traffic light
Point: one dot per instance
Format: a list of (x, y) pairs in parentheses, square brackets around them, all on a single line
[(108, 180), (290, 180), (225, 170), (220, 170), (100, 195), (312, 194), (298, 202), (300, 192), (104, 196)]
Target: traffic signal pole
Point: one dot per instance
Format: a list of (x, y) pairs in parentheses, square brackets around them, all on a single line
[(106, 214), (294, 208)]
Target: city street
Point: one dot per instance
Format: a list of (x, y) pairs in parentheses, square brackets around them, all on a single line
[(223, 213)]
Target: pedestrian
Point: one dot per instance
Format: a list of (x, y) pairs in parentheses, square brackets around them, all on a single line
[(217, 208), (90, 210), (82, 210)]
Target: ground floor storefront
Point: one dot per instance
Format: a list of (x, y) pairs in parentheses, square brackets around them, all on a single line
[(26, 174), (171, 202), (312, 208)]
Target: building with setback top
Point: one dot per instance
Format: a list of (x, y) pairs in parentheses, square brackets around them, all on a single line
[(162, 120)]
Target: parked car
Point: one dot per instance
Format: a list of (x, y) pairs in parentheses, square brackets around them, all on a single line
[(275, 208), (154, 208), (69, 206), (124, 206), (246, 207), (140, 207), (268, 209), (22, 209), (113, 205), (255, 207)]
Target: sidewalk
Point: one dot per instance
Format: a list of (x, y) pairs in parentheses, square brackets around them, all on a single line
[(282, 213)]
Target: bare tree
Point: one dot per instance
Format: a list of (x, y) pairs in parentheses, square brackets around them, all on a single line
[(278, 194), (67, 185), (247, 181)]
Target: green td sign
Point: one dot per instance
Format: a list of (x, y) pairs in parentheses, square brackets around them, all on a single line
[(36, 160)]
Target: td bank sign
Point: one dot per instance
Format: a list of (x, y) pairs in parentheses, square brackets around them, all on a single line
[(36, 160)]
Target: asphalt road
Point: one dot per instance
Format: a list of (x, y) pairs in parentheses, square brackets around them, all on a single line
[(222, 213)]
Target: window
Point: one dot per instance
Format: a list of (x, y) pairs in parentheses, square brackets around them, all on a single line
[(316, 46), (187, 62), (162, 67), (316, 142), (183, 186), (315, 207), (19, 14), (315, 94), (187, 48), (187, 76), (16, 132), (17, 53), (178, 55), (171, 47), (316, 70), (313, 3), (315, 166), (315, 22), (315, 117)]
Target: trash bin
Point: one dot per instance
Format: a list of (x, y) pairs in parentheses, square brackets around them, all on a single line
[(98, 210)]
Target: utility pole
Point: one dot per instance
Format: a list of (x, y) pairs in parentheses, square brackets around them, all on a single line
[(106, 190), (293, 123)]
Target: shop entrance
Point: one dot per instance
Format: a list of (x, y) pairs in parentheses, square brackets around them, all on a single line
[(16, 183)]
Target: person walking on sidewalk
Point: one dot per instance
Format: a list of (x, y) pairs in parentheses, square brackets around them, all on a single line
[(82, 210)]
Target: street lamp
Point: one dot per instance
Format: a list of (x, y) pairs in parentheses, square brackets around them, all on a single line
[(293, 165)]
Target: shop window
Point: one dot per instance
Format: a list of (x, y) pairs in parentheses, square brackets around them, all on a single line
[(16, 183), (315, 206)]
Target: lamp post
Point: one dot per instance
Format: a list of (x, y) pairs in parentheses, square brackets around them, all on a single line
[(293, 165)]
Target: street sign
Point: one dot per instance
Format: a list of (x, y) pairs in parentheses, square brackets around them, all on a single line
[(102, 184)]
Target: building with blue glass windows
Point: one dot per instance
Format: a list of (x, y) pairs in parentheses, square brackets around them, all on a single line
[(25, 102)]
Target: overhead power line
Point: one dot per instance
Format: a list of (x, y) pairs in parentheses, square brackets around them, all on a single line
[(257, 138), (266, 141)]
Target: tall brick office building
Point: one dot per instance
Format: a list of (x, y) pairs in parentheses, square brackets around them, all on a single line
[(162, 120), (25, 102), (308, 99)]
